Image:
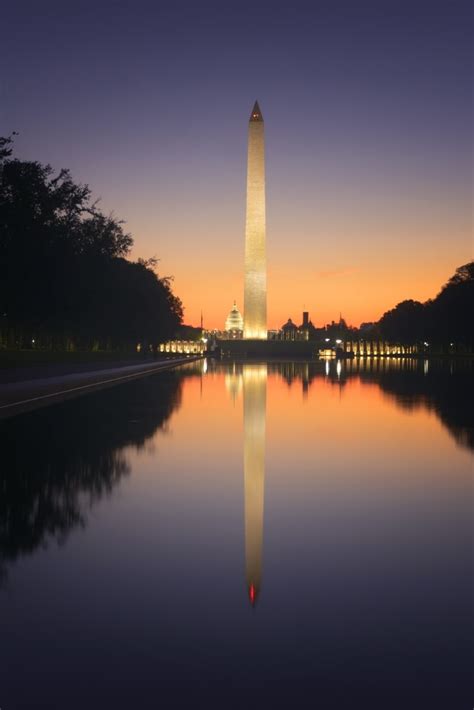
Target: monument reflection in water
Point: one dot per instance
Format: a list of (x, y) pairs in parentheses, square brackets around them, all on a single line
[(255, 395), (146, 596)]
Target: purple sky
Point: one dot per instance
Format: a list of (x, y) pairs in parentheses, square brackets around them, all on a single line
[(368, 119)]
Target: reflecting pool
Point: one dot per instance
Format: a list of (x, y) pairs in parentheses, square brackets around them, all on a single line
[(242, 534)]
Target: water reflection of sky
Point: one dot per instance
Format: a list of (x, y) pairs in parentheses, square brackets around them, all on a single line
[(344, 496)]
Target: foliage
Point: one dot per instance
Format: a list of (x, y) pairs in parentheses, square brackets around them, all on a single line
[(64, 275), (446, 319), (188, 332), (404, 323)]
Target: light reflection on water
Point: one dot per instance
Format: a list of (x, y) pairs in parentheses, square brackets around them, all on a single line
[(255, 391), (172, 574)]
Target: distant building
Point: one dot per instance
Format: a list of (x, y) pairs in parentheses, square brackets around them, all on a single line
[(291, 331), (307, 328), (234, 324)]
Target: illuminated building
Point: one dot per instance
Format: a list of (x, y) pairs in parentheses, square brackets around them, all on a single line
[(307, 328), (289, 330), (234, 323), (255, 289)]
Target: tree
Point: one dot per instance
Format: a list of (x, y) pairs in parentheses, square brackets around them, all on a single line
[(463, 274), (404, 323), (64, 275), (451, 313), (446, 319)]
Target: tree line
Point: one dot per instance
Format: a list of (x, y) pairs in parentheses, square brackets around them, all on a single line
[(443, 321), (65, 280)]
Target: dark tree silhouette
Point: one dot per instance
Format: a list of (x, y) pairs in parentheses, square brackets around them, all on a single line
[(404, 323), (463, 274), (446, 319), (57, 463), (64, 276), (451, 314)]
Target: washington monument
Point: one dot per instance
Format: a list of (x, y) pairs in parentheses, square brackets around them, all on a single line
[(255, 291)]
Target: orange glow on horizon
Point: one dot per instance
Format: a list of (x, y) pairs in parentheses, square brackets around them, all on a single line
[(324, 275), (357, 294)]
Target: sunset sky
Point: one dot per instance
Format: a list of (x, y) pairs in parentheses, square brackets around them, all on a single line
[(368, 121)]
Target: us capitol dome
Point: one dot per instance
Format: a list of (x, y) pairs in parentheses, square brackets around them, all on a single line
[(234, 321)]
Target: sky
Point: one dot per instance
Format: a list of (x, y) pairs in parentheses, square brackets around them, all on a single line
[(368, 130)]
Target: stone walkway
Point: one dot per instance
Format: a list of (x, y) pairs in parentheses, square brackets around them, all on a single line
[(24, 395)]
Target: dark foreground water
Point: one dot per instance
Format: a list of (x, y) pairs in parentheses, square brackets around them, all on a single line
[(242, 535)]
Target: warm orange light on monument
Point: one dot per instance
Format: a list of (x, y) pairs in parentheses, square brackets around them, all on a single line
[(255, 290)]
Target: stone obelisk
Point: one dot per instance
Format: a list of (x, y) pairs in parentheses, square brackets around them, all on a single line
[(255, 292)]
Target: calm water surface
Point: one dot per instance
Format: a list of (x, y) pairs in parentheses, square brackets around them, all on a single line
[(242, 535)]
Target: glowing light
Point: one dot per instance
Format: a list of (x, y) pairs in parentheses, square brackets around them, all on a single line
[(327, 353), (252, 594), (234, 321)]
